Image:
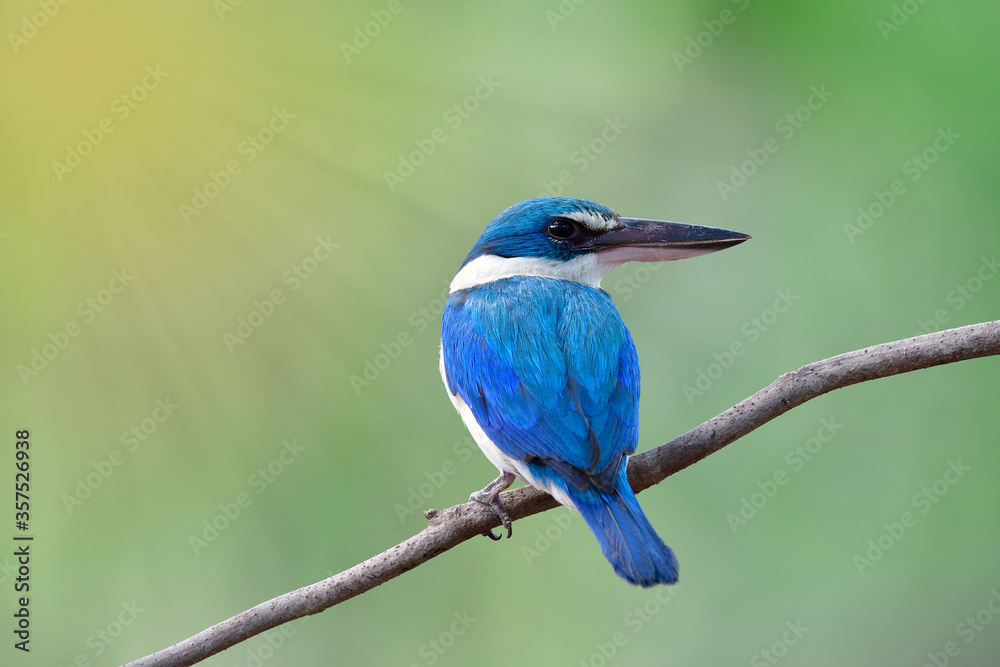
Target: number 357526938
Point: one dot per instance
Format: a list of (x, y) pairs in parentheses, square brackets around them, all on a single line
[(22, 480)]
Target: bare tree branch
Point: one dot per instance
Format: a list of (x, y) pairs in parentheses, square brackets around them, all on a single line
[(450, 527)]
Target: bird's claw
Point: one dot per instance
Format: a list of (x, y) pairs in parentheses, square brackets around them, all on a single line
[(493, 536), (490, 496), (497, 507)]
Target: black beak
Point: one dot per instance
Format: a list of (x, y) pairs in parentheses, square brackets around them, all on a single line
[(635, 239)]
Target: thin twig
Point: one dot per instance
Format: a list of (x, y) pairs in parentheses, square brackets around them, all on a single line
[(450, 527)]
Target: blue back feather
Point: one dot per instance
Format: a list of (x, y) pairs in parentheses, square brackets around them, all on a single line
[(550, 372)]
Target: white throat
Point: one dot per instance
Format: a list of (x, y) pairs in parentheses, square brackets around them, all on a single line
[(585, 269)]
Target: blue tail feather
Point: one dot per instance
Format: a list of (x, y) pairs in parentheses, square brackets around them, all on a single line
[(626, 537)]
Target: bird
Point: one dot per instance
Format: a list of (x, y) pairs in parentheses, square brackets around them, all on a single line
[(541, 368)]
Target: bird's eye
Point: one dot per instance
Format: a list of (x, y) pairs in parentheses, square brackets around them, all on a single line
[(561, 229)]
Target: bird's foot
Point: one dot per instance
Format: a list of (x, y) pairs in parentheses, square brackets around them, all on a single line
[(490, 496)]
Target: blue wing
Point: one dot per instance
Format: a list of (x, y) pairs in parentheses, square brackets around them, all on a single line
[(549, 371)]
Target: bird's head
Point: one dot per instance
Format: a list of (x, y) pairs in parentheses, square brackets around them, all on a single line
[(579, 240)]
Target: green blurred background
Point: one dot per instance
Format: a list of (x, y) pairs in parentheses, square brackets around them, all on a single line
[(178, 163)]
